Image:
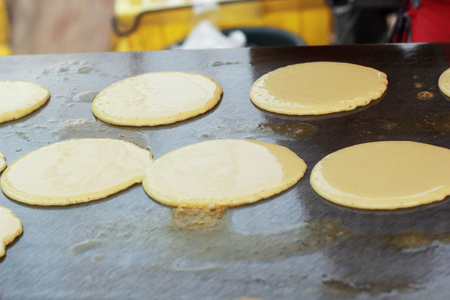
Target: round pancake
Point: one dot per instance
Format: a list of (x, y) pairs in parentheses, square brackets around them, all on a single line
[(75, 171), (384, 175), (156, 98), (222, 173), (444, 82), (10, 228), (20, 98), (317, 88), (2, 162)]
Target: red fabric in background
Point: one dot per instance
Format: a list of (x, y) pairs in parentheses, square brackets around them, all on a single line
[(430, 22)]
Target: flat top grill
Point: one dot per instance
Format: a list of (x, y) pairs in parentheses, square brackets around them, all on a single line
[(295, 245)]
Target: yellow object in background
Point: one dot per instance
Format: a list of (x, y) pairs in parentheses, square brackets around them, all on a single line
[(4, 29), (157, 24)]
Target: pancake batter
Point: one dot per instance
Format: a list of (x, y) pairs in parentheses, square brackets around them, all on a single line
[(317, 88), (384, 175)]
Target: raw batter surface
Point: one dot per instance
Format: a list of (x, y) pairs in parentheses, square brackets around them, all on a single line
[(384, 175), (317, 88)]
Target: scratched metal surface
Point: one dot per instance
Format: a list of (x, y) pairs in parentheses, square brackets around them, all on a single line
[(292, 246)]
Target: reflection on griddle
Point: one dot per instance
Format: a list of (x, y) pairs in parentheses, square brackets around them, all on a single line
[(225, 244)]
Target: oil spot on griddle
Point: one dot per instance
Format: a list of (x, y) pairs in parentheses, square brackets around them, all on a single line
[(292, 130), (70, 67), (324, 233), (430, 123), (337, 288), (85, 70), (197, 218), (40, 126), (98, 257), (91, 128), (234, 128), (63, 69), (85, 246), (425, 95), (85, 96), (226, 63), (341, 289), (418, 85), (438, 123), (23, 135), (415, 241), (387, 124)]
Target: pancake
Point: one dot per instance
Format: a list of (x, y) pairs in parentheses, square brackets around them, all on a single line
[(384, 175), (2, 162), (75, 171), (222, 173), (156, 98), (10, 228), (317, 88), (20, 98), (444, 82)]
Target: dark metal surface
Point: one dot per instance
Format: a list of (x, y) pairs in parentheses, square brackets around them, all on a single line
[(293, 246)]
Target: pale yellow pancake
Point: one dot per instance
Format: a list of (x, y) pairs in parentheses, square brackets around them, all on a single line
[(156, 98), (2, 162), (384, 175), (75, 171), (20, 98), (317, 88), (444, 82), (10, 228), (222, 173)]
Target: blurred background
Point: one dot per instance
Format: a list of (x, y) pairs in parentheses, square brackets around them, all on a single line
[(63, 26)]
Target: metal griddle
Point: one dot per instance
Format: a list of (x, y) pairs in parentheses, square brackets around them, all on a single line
[(292, 246)]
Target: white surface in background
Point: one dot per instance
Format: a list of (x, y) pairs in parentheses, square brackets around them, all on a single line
[(207, 36), (201, 6)]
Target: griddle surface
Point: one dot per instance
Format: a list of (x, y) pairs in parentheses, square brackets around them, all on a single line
[(292, 246)]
